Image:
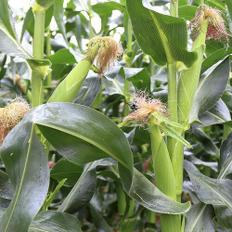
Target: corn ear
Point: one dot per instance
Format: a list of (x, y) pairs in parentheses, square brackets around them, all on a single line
[(164, 175), (67, 90)]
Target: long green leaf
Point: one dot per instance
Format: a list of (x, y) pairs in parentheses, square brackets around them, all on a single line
[(206, 142), (26, 164), (87, 125), (106, 8), (148, 195), (76, 126), (160, 36)]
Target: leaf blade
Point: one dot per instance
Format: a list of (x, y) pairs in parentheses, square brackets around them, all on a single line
[(80, 122), (157, 34), (21, 159)]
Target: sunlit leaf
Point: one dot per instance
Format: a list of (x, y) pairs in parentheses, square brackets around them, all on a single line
[(160, 36), (69, 127)]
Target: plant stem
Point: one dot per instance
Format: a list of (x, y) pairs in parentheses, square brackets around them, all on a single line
[(48, 53), (174, 8), (128, 59), (38, 49), (164, 176), (129, 36)]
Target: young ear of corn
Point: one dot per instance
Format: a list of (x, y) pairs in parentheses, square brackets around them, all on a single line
[(67, 90), (164, 176), (154, 113), (103, 50), (187, 87), (207, 24), (189, 78)]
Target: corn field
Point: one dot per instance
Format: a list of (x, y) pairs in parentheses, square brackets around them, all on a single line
[(115, 116)]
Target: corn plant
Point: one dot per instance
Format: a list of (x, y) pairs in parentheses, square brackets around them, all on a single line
[(125, 127)]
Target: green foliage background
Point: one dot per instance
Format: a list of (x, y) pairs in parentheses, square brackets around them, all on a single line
[(100, 176)]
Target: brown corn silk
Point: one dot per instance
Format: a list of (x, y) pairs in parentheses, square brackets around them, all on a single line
[(107, 50), (216, 25), (144, 106)]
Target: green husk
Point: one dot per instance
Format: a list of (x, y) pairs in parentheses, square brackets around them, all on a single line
[(164, 176), (67, 90)]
